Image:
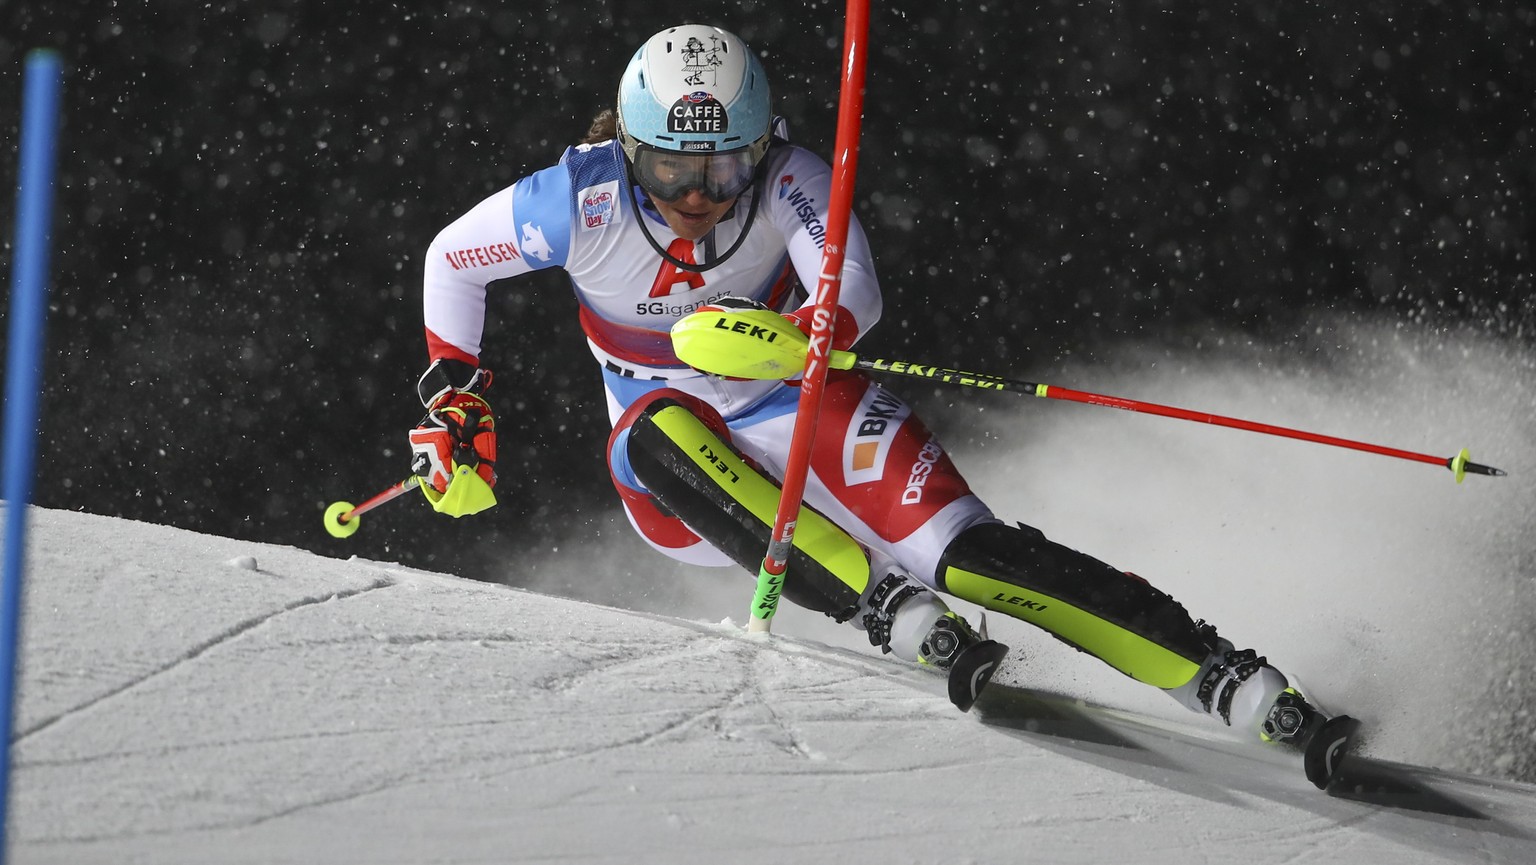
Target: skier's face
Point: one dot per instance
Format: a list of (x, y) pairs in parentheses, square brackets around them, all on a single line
[(693, 214)]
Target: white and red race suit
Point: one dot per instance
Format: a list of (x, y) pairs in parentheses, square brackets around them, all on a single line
[(876, 470)]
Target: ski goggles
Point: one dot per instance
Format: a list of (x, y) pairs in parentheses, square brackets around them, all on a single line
[(667, 175)]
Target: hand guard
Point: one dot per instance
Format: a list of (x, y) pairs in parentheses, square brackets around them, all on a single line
[(453, 449), (845, 332), (739, 339), (733, 304)]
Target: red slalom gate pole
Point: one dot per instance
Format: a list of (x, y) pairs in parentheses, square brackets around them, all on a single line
[(770, 578)]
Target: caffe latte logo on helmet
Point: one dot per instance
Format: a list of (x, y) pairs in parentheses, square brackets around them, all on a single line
[(698, 114)]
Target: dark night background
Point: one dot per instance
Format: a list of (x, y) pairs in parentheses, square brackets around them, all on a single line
[(246, 191)]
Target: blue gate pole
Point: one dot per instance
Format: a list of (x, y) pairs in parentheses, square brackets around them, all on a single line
[(23, 371)]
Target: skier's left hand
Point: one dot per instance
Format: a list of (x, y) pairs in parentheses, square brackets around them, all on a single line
[(845, 331)]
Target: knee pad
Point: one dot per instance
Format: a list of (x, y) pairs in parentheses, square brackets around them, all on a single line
[(659, 527), (697, 476)]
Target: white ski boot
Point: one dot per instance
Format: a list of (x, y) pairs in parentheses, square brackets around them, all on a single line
[(904, 617), (1246, 693)]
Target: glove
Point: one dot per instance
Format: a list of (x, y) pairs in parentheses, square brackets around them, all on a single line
[(453, 449), (845, 331)]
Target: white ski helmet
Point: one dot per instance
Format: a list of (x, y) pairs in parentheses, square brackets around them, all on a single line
[(697, 90)]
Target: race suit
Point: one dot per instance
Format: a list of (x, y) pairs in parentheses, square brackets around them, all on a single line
[(876, 471), (879, 482)]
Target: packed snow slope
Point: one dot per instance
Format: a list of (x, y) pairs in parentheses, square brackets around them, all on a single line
[(194, 699)]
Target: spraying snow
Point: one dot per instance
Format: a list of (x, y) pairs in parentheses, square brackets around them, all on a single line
[(1387, 589)]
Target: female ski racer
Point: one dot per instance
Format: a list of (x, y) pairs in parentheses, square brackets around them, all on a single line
[(689, 197)]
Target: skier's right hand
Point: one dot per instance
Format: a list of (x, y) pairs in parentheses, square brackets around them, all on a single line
[(453, 448)]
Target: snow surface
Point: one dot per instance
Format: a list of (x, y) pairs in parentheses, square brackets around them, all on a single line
[(195, 699)]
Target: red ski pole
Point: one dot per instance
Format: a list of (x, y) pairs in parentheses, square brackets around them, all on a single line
[(341, 518), (1460, 464), (760, 344)]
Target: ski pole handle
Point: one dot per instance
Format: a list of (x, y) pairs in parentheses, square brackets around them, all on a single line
[(341, 518)]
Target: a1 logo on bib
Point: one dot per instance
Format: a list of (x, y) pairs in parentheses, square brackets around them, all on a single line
[(698, 113)]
